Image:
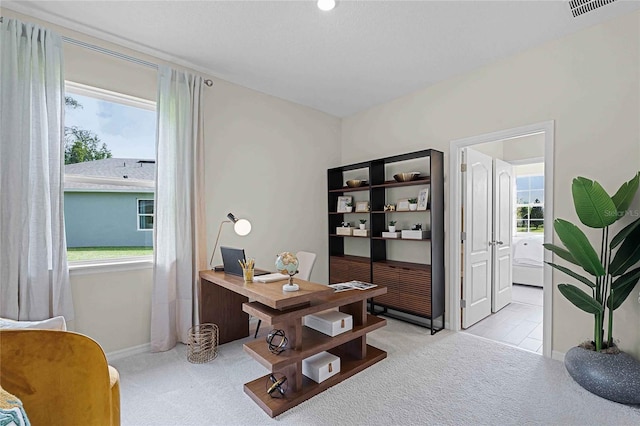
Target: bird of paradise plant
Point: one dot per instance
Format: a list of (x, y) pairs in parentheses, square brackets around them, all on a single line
[(612, 279)]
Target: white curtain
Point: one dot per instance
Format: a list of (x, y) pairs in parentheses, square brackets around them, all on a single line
[(34, 277), (179, 208)]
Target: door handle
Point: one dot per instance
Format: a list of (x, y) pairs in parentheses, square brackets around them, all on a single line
[(499, 243)]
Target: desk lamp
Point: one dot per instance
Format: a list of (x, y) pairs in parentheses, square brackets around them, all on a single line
[(241, 226)]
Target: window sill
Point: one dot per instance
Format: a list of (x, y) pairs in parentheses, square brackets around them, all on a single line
[(83, 267)]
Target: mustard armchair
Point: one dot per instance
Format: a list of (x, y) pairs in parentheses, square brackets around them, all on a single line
[(61, 377)]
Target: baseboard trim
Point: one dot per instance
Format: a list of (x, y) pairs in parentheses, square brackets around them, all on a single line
[(557, 355), (124, 353)]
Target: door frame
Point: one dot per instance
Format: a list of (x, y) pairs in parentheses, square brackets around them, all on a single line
[(455, 218)]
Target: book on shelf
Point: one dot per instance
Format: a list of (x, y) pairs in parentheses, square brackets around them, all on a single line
[(351, 285)]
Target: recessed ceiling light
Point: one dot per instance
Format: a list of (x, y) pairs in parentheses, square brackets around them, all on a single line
[(326, 4)]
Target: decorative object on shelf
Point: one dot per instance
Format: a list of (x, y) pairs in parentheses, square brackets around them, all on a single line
[(362, 206), (242, 227), (416, 227), (360, 232), (356, 183), (598, 365), (413, 204), (394, 234), (277, 341), (389, 207), (406, 176), (363, 222), (330, 323), (345, 205), (403, 205), (287, 263), (423, 199), (321, 366), (345, 229), (276, 385), (202, 343), (414, 234), (392, 225)]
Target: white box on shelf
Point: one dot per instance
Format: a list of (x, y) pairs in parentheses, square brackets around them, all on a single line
[(320, 367), (360, 232), (386, 234), (330, 323), (414, 235), (344, 230)]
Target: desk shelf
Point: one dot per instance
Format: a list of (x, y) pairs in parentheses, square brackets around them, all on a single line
[(349, 365), (313, 342)]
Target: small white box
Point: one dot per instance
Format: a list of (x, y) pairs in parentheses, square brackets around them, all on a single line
[(330, 323), (320, 367), (414, 235), (391, 234), (360, 232), (344, 230)]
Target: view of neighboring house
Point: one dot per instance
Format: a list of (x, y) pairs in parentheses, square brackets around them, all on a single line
[(99, 213)]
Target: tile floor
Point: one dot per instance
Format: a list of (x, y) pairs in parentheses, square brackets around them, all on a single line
[(519, 323)]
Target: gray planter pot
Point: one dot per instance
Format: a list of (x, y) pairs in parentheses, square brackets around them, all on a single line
[(614, 377)]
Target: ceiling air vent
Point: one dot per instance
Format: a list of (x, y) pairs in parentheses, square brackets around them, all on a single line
[(579, 7)]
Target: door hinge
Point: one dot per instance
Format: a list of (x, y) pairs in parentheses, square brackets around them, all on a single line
[(463, 167), (463, 303), (463, 236)]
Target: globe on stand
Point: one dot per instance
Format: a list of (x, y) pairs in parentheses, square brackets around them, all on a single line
[(287, 263)]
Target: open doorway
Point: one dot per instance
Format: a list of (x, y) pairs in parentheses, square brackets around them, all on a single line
[(501, 196)]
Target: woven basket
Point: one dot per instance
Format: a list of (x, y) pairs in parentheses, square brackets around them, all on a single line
[(202, 343)]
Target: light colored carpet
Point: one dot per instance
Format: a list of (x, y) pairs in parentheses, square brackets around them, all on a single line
[(446, 379)]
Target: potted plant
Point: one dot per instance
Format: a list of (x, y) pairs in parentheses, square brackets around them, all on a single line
[(413, 203), (392, 226), (362, 223), (349, 206), (598, 365)]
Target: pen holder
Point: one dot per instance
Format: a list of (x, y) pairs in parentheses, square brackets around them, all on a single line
[(247, 274)]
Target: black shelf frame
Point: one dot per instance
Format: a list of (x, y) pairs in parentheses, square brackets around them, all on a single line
[(377, 183)]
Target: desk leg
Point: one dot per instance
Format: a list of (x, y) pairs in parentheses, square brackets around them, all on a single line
[(224, 308), (293, 332), (358, 311)]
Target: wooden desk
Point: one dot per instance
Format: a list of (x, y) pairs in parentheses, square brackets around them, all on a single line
[(224, 301), (222, 296)]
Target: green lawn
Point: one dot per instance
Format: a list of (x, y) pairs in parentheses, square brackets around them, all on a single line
[(91, 253), (540, 230)]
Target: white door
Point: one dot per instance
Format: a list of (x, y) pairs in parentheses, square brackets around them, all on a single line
[(503, 181), (477, 217)]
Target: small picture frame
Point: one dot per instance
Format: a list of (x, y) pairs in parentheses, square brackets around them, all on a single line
[(423, 199), (362, 206), (342, 204), (402, 205)]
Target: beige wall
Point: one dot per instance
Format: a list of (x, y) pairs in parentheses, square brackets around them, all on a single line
[(587, 82), (255, 144), (266, 161)]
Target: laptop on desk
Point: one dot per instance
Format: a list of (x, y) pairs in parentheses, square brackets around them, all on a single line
[(230, 258)]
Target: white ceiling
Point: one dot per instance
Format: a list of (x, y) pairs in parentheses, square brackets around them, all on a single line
[(361, 54)]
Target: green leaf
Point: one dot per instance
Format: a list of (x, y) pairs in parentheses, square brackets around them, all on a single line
[(579, 246), (628, 253), (561, 252), (594, 206), (623, 198), (624, 232), (572, 274), (581, 299), (622, 287)]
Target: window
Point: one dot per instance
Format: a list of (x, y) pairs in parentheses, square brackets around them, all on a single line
[(109, 174), (529, 203), (145, 215)]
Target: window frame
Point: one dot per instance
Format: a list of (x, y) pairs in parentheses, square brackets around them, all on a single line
[(125, 262), (529, 205), (139, 215)]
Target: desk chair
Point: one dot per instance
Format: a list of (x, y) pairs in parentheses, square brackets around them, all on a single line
[(306, 260)]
